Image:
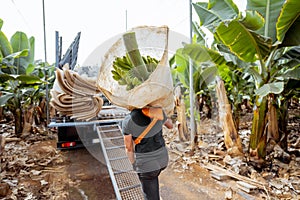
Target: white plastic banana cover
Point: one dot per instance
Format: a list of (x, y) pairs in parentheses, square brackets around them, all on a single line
[(157, 90)]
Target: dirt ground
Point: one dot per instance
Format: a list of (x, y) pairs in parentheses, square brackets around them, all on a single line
[(93, 182), (79, 174), (40, 171), (194, 183), (89, 179), (90, 175), (32, 168)]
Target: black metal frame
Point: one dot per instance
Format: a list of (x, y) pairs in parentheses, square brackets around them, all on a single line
[(71, 54)]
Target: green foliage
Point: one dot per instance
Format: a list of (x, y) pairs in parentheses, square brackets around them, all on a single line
[(253, 50), (22, 80), (1, 23), (270, 11), (5, 46), (257, 48)]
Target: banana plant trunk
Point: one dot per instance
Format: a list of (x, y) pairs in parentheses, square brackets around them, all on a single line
[(232, 139), (18, 121), (237, 115), (1, 113), (266, 127), (181, 115), (1, 110), (258, 137), (273, 131), (282, 124), (28, 121)]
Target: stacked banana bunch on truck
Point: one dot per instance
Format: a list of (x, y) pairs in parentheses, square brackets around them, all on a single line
[(75, 96)]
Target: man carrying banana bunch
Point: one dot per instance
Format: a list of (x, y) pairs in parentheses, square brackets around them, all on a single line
[(145, 146)]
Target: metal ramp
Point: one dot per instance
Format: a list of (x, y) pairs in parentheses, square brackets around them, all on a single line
[(125, 181)]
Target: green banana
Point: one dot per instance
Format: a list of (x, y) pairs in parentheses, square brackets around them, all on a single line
[(116, 75), (119, 61), (122, 82), (126, 74), (151, 67), (145, 60), (127, 61), (136, 81)]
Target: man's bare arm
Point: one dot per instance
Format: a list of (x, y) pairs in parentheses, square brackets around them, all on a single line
[(129, 146)]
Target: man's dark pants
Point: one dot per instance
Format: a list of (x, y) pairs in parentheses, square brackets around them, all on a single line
[(150, 184)]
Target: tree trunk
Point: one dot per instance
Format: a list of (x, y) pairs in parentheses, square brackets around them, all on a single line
[(231, 138)]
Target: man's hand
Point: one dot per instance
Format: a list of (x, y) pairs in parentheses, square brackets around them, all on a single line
[(169, 124)]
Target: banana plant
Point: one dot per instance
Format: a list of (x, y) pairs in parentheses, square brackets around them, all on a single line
[(203, 77), (21, 92), (20, 75), (15, 90), (258, 39)]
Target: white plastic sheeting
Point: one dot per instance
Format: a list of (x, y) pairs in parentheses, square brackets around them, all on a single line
[(157, 90)]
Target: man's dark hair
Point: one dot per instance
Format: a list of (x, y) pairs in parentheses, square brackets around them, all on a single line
[(139, 118)]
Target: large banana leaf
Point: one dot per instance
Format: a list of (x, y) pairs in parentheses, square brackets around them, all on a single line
[(5, 46), (208, 18), (199, 33), (182, 72), (225, 9), (270, 10), (252, 20), (199, 54), (293, 73), (4, 98), (275, 88), (18, 54), (30, 57), (290, 58), (288, 25), (203, 76), (214, 12), (1, 23), (23, 79), (245, 44), (19, 41), (8, 61), (256, 76)]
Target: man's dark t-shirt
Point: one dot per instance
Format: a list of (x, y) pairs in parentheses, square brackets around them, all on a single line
[(151, 153)]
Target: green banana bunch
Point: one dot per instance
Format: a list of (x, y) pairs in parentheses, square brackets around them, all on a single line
[(151, 63), (126, 74)]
